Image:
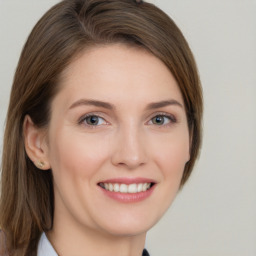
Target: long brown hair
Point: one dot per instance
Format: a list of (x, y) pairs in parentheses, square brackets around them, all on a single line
[(26, 205)]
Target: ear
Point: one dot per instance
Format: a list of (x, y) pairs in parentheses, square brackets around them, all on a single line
[(35, 144)]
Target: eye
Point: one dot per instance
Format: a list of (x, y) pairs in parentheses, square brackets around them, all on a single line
[(92, 120), (162, 120)]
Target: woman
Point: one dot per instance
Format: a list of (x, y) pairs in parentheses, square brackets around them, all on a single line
[(103, 129)]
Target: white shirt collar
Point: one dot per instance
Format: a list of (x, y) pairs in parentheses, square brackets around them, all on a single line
[(45, 247)]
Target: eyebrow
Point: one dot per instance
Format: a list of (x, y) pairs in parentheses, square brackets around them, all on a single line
[(89, 102), (163, 103), (150, 106)]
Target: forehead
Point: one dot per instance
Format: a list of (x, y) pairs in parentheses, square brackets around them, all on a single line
[(116, 71)]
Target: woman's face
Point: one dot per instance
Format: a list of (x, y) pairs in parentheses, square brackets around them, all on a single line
[(117, 142)]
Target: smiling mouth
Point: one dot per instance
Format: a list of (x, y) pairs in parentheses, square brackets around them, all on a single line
[(124, 188)]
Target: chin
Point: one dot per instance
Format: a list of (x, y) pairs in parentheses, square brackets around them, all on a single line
[(126, 230), (130, 225)]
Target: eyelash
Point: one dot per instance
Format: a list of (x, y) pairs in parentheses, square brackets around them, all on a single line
[(172, 119)]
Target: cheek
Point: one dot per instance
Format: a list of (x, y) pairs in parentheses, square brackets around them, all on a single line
[(170, 159), (172, 154), (172, 163), (76, 155)]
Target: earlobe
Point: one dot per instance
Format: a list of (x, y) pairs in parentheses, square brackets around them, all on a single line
[(35, 144)]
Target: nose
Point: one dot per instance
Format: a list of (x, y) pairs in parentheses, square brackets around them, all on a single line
[(130, 148)]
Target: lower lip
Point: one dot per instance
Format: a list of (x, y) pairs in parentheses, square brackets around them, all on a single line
[(129, 197)]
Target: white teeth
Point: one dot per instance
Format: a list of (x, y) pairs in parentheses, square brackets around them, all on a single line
[(123, 188), (110, 187), (116, 188), (145, 186), (132, 188)]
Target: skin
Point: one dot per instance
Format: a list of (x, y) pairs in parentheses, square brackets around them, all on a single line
[(126, 142)]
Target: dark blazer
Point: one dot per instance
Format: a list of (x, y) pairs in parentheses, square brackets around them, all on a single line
[(145, 253)]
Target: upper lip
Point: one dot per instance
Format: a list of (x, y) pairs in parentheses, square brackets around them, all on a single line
[(128, 180)]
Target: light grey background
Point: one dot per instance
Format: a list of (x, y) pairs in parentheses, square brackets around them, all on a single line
[(215, 213)]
